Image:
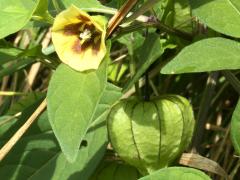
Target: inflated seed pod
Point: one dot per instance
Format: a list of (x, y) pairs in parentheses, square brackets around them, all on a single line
[(115, 171), (151, 135)]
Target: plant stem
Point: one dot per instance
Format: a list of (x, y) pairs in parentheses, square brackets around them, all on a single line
[(56, 6), (12, 93), (144, 8), (171, 30), (232, 79), (10, 118), (146, 87), (156, 24), (46, 18), (235, 170), (203, 111), (154, 88), (132, 73)]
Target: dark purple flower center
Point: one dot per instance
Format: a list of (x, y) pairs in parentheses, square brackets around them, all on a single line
[(88, 35)]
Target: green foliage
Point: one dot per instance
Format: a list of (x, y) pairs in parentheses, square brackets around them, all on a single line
[(235, 126), (180, 173), (15, 15), (149, 52), (206, 55), (172, 47), (79, 93), (9, 54), (22, 162), (25, 102), (115, 170), (87, 159), (175, 13), (89, 5), (211, 13)]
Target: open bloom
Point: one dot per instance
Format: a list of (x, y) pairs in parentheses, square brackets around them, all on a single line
[(79, 39)]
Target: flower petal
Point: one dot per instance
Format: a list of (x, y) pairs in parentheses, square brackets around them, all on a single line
[(68, 33)]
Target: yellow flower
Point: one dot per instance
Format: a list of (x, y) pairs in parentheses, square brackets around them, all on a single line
[(79, 39)]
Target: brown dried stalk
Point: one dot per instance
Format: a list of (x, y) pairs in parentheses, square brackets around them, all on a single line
[(120, 14), (8, 146)]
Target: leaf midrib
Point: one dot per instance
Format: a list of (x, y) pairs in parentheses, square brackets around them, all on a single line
[(234, 7)]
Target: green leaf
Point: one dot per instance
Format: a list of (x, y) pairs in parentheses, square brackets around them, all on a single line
[(25, 102), (72, 100), (116, 71), (175, 13), (14, 15), (8, 54), (235, 127), (132, 41), (38, 156), (41, 13), (23, 59), (30, 153), (89, 6), (206, 55), (110, 95), (24, 162), (5, 124), (148, 53), (211, 13), (22, 63), (86, 162), (13, 124), (109, 170), (179, 173), (42, 7)]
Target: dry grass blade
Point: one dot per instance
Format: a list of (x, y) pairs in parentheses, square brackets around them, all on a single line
[(200, 162), (144, 8), (120, 14), (8, 146)]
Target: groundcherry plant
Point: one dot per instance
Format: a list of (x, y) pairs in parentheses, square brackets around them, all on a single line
[(119, 89)]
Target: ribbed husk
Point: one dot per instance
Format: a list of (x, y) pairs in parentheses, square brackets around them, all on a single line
[(151, 135), (115, 171)]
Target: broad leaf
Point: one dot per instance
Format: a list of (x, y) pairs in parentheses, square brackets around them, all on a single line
[(42, 13), (182, 15), (88, 157), (40, 142), (25, 101), (147, 54), (132, 41), (114, 170), (8, 54), (14, 15), (175, 13), (206, 55), (116, 71), (16, 66), (72, 100), (89, 5), (38, 156), (220, 15), (23, 59), (5, 124), (179, 173), (235, 128), (9, 124), (111, 94)]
